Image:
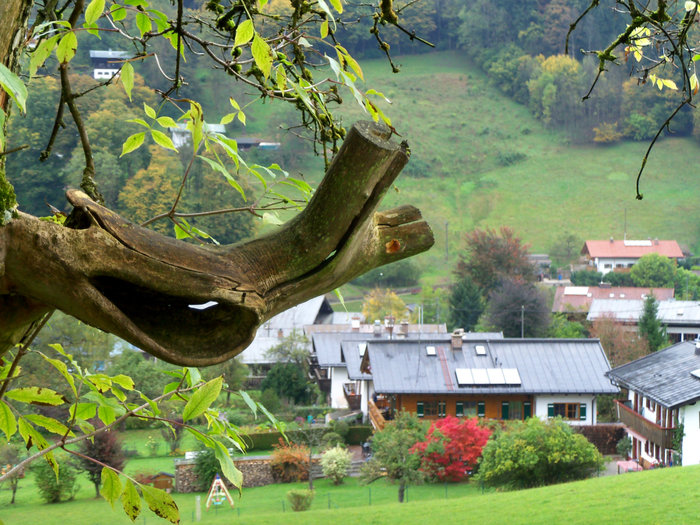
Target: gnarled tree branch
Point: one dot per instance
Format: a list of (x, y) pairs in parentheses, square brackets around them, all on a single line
[(194, 305)]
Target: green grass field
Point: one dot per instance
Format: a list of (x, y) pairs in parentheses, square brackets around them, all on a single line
[(665, 496)]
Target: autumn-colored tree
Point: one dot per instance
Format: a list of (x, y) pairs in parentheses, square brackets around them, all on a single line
[(106, 449), (620, 345), (382, 302), (452, 448), (152, 190), (490, 256)]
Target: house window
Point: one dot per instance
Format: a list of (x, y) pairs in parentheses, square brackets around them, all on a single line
[(466, 409), (607, 265), (567, 410), (442, 409), (481, 409), (430, 408), (512, 410)]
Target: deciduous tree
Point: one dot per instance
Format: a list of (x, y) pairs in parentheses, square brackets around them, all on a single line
[(517, 308), (452, 448), (653, 271), (104, 449)]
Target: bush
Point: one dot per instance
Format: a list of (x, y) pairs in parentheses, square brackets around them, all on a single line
[(335, 463), (619, 279), (53, 490), (606, 133), (206, 467), (300, 499), (624, 446), (331, 439), (290, 462), (536, 452), (394, 275), (586, 278), (270, 400)]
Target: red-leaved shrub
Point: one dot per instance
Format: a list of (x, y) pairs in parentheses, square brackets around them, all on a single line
[(452, 448), (290, 462)]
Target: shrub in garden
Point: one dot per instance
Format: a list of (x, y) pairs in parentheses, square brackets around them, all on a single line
[(104, 447), (335, 463), (452, 448), (300, 499), (53, 490), (206, 466), (290, 462), (536, 452), (331, 439)]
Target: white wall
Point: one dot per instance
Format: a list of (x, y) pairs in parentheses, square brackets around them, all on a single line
[(541, 402), (339, 376), (600, 263), (690, 415)]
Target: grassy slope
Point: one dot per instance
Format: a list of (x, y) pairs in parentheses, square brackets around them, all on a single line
[(460, 129), (654, 497)]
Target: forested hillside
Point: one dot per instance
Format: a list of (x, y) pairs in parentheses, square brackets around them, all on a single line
[(498, 132)]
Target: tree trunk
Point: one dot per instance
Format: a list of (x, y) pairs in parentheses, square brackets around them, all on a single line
[(402, 491), (150, 289)]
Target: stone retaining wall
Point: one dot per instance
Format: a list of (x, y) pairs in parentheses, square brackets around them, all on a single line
[(256, 473)]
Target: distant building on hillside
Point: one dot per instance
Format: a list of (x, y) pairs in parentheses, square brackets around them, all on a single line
[(107, 64), (574, 300), (181, 136), (606, 256)]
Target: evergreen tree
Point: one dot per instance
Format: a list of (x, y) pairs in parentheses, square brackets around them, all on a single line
[(466, 304), (650, 327)]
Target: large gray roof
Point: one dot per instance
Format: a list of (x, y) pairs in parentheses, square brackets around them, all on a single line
[(352, 352), (556, 366), (663, 376), (670, 312)]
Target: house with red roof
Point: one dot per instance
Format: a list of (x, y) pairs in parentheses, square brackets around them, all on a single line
[(606, 256), (578, 299)]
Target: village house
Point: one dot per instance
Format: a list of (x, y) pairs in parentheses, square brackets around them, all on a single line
[(662, 413), (680, 318), (575, 301), (480, 375), (107, 63), (607, 256)]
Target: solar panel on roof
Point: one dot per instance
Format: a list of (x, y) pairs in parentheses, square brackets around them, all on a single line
[(496, 376), (696, 373), (362, 347), (480, 349), (481, 376), (430, 350), (512, 376), (464, 376)]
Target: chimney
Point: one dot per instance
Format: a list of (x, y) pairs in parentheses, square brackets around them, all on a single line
[(611, 239), (457, 339), (355, 324), (656, 241), (377, 328), (389, 324), (403, 328), (280, 333)]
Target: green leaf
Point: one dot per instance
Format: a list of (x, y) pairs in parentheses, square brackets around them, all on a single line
[(271, 218), (132, 143), (149, 110), (337, 5), (228, 469), (52, 425), (41, 54), (67, 47), (102, 382), (202, 399), (244, 32), (140, 122), (111, 486), (324, 29), (217, 166), (63, 370), (162, 139), (262, 54), (93, 11), (123, 381), (31, 436), (83, 411), (249, 401), (127, 77), (166, 122), (118, 12), (324, 6), (194, 377), (36, 396), (143, 23), (161, 503), (14, 87), (131, 501), (106, 414), (8, 424)]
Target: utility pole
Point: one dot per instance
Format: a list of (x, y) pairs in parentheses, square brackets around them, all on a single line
[(447, 246), (522, 321)]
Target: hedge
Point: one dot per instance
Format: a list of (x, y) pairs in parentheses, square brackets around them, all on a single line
[(265, 440)]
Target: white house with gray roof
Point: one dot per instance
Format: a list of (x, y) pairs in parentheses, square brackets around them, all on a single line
[(663, 392), (492, 378)]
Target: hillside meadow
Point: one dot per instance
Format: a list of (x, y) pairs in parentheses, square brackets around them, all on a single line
[(481, 160)]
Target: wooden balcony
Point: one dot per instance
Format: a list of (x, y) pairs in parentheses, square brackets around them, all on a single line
[(375, 416), (354, 399), (662, 436)]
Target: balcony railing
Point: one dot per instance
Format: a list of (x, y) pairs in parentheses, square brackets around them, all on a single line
[(354, 400), (636, 422)]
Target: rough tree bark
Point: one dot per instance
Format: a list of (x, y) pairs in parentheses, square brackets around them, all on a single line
[(141, 286)]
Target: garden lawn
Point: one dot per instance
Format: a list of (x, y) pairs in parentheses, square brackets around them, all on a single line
[(662, 496)]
